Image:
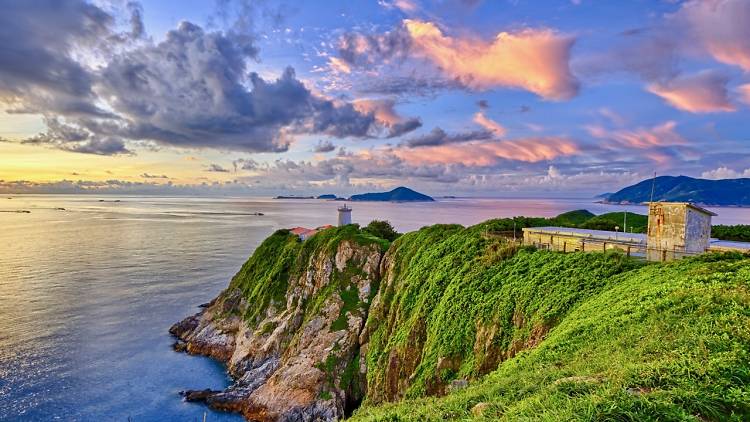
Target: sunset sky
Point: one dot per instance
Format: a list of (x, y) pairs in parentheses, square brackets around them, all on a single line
[(461, 97)]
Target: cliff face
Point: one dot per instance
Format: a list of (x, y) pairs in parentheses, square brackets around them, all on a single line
[(288, 327), (309, 330)]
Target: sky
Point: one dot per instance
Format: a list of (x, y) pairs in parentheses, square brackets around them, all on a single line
[(450, 97)]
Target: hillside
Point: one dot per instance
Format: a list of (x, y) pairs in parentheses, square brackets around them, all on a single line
[(661, 342), (400, 194), (726, 192), (455, 323)]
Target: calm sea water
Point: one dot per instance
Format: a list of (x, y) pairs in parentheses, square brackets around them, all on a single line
[(90, 285)]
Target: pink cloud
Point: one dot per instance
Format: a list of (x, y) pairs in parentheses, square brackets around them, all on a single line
[(536, 60), (496, 128), (641, 138), (744, 91), (722, 27), (704, 92), (487, 153), (384, 112)]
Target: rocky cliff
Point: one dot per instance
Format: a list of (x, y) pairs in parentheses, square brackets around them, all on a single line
[(288, 327), (345, 322)]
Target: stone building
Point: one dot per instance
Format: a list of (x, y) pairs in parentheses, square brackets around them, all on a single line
[(676, 230)]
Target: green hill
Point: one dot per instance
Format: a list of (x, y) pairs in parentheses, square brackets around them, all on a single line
[(560, 336), (458, 323), (574, 217), (725, 192), (636, 223)]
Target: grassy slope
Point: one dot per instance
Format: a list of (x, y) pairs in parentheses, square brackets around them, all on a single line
[(453, 283), (662, 342), (264, 278)]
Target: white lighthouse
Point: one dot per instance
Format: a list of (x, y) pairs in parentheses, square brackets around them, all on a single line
[(345, 215)]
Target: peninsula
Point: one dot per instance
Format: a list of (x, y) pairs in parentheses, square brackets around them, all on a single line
[(453, 322)]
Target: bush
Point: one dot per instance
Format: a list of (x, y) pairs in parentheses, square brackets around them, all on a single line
[(382, 229)]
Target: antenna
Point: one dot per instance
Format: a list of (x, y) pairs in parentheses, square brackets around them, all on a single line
[(653, 186)]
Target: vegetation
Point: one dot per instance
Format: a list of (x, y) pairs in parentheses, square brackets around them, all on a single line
[(653, 342), (636, 223), (538, 335), (264, 278), (462, 302), (382, 229), (740, 232)]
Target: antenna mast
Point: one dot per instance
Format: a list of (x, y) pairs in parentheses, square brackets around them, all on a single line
[(653, 186)]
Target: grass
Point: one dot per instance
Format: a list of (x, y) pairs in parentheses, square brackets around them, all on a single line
[(660, 342), (539, 335), (462, 303)]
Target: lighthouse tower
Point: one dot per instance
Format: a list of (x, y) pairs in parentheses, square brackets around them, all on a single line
[(345, 215)]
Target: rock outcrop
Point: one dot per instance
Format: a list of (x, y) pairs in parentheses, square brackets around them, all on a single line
[(295, 356)]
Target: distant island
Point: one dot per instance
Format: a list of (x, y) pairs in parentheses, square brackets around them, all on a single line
[(400, 194), (293, 197), (725, 192)]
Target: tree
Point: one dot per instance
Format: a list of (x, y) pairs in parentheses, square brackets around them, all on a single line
[(382, 229)]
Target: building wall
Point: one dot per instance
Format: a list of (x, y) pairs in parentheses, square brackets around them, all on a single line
[(676, 231), (345, 217), (697, 231), (574, 243)]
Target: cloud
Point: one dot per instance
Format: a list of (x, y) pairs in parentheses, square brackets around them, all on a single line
[(154, 176), (199, 98), (532, 59), (216, 168), (406, 6), (725, 173), (492, 152), (75, 138), (385, 114), (641, 138), (744, 91), (324, 146), (192, 89), (245, 164), (438, 136), (38, 68), (720, 27), (704, 92), (137, 29), (368, 50), (489, 124), (409, 85)]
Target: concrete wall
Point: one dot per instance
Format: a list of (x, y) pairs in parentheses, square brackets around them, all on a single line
[(676, 230), (697, 231), (574, 243), (345, 217)]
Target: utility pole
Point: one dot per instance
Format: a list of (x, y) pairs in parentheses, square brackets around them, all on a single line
[(625, 222)]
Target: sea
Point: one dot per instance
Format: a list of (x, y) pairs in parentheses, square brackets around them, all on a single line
[(90, 284)]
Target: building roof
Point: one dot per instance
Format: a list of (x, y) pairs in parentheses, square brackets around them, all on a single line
[(726, 244), (299, 230), (590, 234), (687, 204)]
